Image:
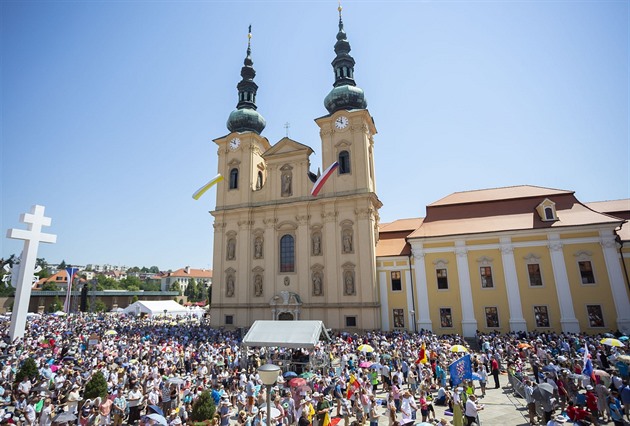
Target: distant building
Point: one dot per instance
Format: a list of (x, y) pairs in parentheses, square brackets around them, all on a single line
[(183, 276)]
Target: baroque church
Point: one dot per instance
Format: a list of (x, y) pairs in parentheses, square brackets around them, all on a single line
[(491, 260), (279, 252)]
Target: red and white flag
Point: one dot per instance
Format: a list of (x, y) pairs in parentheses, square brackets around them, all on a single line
[(323, 178)]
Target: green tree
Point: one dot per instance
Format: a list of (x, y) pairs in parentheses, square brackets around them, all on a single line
[(106, 283), (28, 369), (203, 408), (97, 386), (45, 272), (154, 269), (202, 293), (150, 286), (175, 287), (49, 286), (100, 306), (134, 299), (191, 290), (131, 282), (63, 265), (55, 305)]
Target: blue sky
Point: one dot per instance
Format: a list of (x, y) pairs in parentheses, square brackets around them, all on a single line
[(109, 109)]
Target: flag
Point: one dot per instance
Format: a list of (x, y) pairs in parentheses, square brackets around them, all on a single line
[(70, 272), (218, 178), (353, 385), (422, 355), (587, 368), (460, 370), (323, 178), (326, 421)]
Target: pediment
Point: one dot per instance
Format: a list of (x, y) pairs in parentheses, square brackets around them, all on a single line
[(287, 146)]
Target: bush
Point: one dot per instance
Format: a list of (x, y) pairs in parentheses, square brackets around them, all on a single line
[(28, 369), (97, 386), (203, 408)]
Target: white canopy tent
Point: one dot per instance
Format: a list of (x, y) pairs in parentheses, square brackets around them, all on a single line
[(285, 334), (157, 307)]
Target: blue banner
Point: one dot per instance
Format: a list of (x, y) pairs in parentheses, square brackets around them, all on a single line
[(460, 370)]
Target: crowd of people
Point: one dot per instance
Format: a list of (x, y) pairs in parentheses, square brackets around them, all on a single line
[(157, 369)]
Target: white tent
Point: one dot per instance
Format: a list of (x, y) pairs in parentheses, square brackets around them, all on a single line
[(156, 307), (285, 334)]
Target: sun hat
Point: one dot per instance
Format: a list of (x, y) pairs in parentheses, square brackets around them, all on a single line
[(560, 419)]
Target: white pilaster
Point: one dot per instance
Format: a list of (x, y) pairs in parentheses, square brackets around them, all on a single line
[(517, 322), (410, 312), (617, 282), (423, 313), (568, 321), (469, 323), (382, 279)]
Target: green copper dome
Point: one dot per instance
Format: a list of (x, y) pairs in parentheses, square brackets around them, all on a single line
[(345, 93), (345, 97), (242, 120), (245, 117)]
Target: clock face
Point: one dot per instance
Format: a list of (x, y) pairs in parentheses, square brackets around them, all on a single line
[(234, 143), (341, 122)]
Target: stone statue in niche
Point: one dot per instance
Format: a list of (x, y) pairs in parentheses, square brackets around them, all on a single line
[(231, 249), (258, 248), (258, 285), (347, 241), (348, 283), (317, 244), (259, 181), (317, 284), (286, 184), (229, 288)]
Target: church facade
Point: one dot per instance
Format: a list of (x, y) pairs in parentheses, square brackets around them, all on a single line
[(279, 252)]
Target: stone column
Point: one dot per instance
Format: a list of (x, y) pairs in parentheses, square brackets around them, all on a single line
[(423, 312), (517, 322), (469, 323), (616, 279), (410, 295), (568, 321), (382, 279)]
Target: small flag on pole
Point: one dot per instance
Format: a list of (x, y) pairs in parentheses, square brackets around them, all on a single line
[(323, 178), (218, 178)]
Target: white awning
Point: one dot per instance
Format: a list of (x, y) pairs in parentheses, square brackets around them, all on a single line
[(156, 307), (286, 334)]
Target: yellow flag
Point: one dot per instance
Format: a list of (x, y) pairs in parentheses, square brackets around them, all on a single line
[(326, 419)]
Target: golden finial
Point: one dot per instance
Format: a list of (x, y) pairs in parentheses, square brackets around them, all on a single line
[(339, 8)]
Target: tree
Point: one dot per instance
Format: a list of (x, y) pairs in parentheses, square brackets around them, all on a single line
[(203, 408), (106, 283), (55, 305), (150, 286), (45, 272), (131, 283), (191, 290), (100, 306), (97, 386), (154, 269), (28, 369), (62, 265), (175, 287), (202, 293), (49, 286), (134, 299)]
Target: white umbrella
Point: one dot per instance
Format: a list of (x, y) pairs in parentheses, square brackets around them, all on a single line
[(274, 411)]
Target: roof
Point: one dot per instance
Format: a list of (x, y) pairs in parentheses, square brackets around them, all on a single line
[(505, 193), (191, 273), (410, 224), (619, 208), (156, 307), (393, 237), (285, 334)]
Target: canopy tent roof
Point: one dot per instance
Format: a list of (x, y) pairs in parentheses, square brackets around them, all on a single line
[(156, 307), (285, 334)]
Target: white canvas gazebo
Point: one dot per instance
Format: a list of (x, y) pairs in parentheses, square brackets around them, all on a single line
[(285, 334), (156, 308)]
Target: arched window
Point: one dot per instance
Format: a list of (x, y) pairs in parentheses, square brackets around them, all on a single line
[(549, 213), (234, 178), (287, 253), (344, 162)]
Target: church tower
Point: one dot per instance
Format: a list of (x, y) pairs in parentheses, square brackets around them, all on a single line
[(279, 252)]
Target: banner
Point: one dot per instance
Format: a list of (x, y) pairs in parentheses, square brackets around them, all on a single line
[(460, 370)]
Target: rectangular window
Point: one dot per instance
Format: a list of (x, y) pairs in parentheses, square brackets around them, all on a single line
[(351, 321), (492, 317), (399, 318), (446, 318), (287, 253), (229, 319), (535, 278), (442, 279), (586, 272), (396, 282), (541, 315), (486, 277), (595, 316)]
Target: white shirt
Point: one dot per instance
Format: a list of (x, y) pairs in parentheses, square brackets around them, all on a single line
[(471, 408)]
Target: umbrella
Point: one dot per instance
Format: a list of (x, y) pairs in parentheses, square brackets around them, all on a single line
[(523, 345), (177, 380), (386, 356), (60, 314), (551, 367), (307, 375), (384, 343), (158, 418), (365, 364), (68, 359), (365, 348), (542, 392), (601, 373), (459, 348), (609, 335), (64, 417), (297, 381), (111, 333), (376, 365), (612, 342), (289, 374), (624, 338), (274, 411), (156, 409), (546, 387)]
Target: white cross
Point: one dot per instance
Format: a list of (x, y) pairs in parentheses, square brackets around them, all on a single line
[(32, 236)]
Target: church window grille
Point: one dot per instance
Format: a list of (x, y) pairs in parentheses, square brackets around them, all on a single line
[(287, 254)]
